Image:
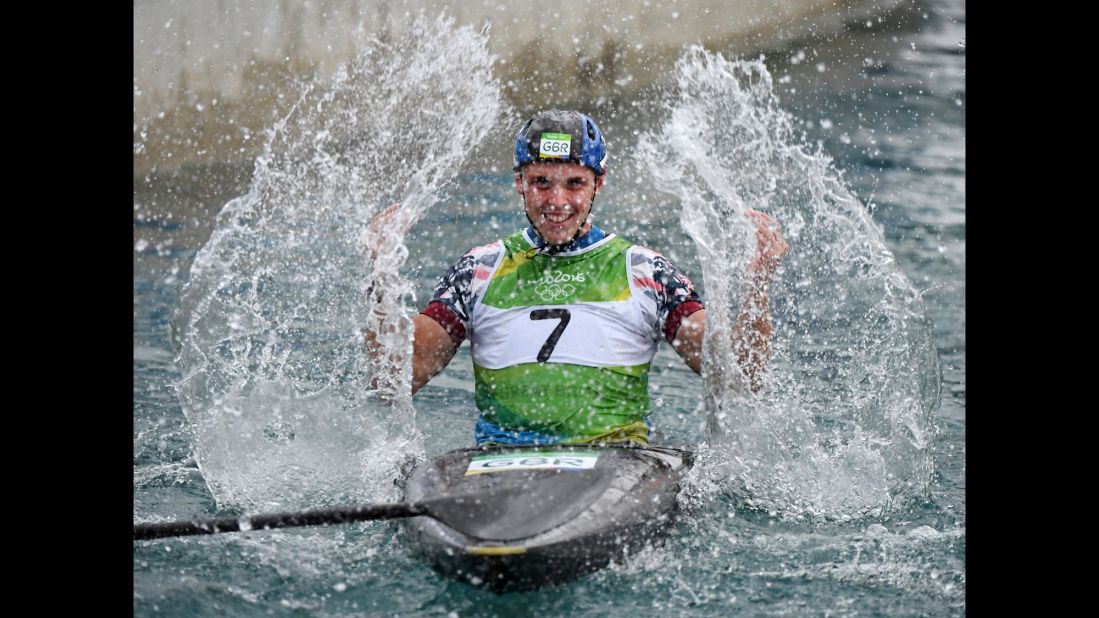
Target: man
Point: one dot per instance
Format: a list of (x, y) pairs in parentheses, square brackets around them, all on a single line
[(563, 317)]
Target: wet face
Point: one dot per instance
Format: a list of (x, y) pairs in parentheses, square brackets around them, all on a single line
[(558, 198)]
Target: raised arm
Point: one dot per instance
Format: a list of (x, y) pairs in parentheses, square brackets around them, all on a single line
[(752, 331), (433, 346)]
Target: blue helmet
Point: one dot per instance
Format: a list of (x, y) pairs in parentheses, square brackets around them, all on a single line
[(565, 137)]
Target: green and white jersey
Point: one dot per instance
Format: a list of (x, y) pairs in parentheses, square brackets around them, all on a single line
[(562, 343)]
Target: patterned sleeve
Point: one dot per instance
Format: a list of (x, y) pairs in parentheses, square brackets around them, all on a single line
[(673, 295), (452, 301)]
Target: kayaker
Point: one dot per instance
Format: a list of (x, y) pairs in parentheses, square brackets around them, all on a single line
[(563, 317)]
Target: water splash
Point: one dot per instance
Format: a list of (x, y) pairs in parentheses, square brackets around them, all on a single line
[(276, 383), (844, 426)]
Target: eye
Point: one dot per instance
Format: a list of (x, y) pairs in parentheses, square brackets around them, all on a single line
[(575, 183)]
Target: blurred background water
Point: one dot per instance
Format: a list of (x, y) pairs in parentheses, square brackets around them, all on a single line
[(870, 97)]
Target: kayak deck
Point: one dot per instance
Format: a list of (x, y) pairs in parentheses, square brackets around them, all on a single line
[(550, 528)]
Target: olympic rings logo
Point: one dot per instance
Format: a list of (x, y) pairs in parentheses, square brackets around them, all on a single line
[(554, 291)]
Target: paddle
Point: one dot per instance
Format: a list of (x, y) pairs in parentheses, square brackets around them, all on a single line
[(498, 513)]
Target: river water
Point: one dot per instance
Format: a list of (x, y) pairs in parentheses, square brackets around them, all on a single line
[(840, 491)]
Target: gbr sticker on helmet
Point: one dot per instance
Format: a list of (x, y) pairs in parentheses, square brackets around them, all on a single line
[(554, 145)]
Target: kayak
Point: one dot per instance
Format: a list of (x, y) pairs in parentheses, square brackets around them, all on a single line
[(531, 516)]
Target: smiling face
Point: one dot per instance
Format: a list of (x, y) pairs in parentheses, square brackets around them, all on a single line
[(557, 198)]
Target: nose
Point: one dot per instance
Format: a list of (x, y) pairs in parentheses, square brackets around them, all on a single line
[(557, 196)]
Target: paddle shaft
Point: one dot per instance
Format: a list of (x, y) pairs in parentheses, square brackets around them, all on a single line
[(316, 517)]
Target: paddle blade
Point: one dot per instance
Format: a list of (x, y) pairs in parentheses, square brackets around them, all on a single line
[(523, 508)]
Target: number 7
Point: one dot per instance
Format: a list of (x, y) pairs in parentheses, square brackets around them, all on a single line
[(551, 342)]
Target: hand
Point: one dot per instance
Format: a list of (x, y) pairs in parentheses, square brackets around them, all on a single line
[(383, 227), (771, 247)]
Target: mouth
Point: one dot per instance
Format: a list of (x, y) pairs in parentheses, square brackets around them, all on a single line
[(557, 218)]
